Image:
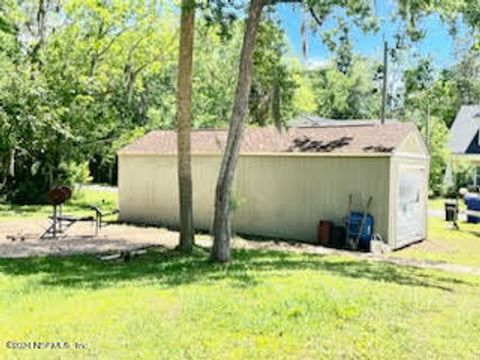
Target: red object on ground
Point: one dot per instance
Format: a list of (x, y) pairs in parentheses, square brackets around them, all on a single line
[(324, 231)]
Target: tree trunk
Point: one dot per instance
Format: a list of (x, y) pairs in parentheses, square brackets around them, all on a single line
[(221, 224), (184, 119), (41, 22)]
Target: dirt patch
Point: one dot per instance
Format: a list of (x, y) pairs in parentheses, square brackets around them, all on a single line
[(79, 239)]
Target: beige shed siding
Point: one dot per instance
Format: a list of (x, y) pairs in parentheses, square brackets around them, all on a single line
[(158, 175), (284, 196)]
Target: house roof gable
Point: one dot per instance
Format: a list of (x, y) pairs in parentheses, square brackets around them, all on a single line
[(464, 128), (474, 146)]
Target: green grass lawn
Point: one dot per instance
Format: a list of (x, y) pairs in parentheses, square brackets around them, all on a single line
[(264, 305), (78, 205), (447, 245), (436, 203)]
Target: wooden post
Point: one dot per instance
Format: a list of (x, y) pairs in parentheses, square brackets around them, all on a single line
[(427, 127)]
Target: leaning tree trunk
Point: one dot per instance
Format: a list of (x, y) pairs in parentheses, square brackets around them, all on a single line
[(184, 119), (221, 224)]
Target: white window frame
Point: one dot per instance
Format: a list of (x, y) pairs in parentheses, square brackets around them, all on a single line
[(476, 175)]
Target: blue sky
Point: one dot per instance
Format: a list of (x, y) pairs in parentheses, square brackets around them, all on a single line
[(437, 44)]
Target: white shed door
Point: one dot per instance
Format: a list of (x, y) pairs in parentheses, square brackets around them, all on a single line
[(410, 205)]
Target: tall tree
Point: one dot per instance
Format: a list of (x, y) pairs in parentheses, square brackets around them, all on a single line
[(221, 224), (184, 121), (361, 9)]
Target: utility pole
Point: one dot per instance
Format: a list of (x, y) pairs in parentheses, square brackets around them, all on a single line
[(427, 127), (385, 74)]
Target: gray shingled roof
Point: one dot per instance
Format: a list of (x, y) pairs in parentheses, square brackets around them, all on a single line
[(464, 129)]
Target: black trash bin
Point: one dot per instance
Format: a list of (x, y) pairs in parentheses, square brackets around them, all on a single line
[(451, 211), (338, 237)]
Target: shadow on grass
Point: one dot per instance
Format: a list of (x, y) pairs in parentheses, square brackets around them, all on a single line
[(248, 268), (474, 233)]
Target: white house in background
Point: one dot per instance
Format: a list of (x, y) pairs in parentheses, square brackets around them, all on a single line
[(287, 181), (464, 139)]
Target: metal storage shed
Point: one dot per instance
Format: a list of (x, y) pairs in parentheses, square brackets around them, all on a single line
[(287, 181)]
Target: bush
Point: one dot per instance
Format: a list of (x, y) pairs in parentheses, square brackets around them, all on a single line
[(438, 155), (461, 177), (33, 181)]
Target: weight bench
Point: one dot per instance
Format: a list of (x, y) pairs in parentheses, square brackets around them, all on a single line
[(61, 223)]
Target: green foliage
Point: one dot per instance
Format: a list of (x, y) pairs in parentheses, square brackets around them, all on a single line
[(215, 66), (75, 173), (442, 95), (236, 200), (273, 87), (462, 174), (347, 96), (104, 73), (78, 92), (445, 92), (466, 76), (215, 70), (304, 98), (459, 174), (339, 43), (419, 78), (439, 154)]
